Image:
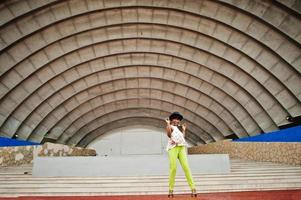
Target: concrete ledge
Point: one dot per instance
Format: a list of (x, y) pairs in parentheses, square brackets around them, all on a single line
[(278, 152), (125, 165)]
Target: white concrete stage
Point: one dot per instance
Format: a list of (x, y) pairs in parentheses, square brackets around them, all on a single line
[(141, 165)]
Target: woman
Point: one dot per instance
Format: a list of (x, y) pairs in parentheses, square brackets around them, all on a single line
[(176, 149)]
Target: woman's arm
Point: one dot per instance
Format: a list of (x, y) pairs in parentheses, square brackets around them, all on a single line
[(168, 128), (184, 129)]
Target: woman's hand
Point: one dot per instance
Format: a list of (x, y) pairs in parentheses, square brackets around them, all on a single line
[(168, 127), (184, 127), (173, 142)]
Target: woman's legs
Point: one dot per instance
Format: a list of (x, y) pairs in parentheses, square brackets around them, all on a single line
[(173, 155), (185, 166)]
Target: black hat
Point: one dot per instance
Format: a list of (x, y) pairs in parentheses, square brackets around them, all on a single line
[(175, 115)]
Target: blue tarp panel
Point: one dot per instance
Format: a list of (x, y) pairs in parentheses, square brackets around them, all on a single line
[(6, 142), (286, 135)]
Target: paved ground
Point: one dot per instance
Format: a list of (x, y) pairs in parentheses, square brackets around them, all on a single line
[(255, 195)]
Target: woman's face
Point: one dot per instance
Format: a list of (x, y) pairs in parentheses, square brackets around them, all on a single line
[(175, 122)]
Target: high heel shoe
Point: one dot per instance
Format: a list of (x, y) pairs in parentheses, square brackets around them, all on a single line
[(193, 193), (170, 194)]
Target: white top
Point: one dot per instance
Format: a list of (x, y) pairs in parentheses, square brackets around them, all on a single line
[(176, 139)]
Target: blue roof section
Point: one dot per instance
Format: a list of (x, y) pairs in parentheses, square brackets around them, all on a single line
[(286, 135), (8, 142)]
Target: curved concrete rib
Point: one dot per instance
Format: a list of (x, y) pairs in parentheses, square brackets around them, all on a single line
[(212, 37), (155, 82), (67, 91), (83, 120), (98, 47), (217, 114), (120, 123), (131, 112), (246, 66), (238, 41), (209, 10)]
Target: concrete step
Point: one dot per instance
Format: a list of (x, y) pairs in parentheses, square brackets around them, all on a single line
[(158, 178), (244, 176), (201, 176), (64, 183), (233, 170), (140, 187), (151, 178)]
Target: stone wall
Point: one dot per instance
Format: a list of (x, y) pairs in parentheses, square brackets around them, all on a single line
[(279, 152), (51, 149), (18, 155)]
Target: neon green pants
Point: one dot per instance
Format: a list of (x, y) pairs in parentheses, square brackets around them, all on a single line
[(179, 152)]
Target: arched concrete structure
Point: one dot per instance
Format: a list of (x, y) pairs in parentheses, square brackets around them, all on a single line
[(229, 66)]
